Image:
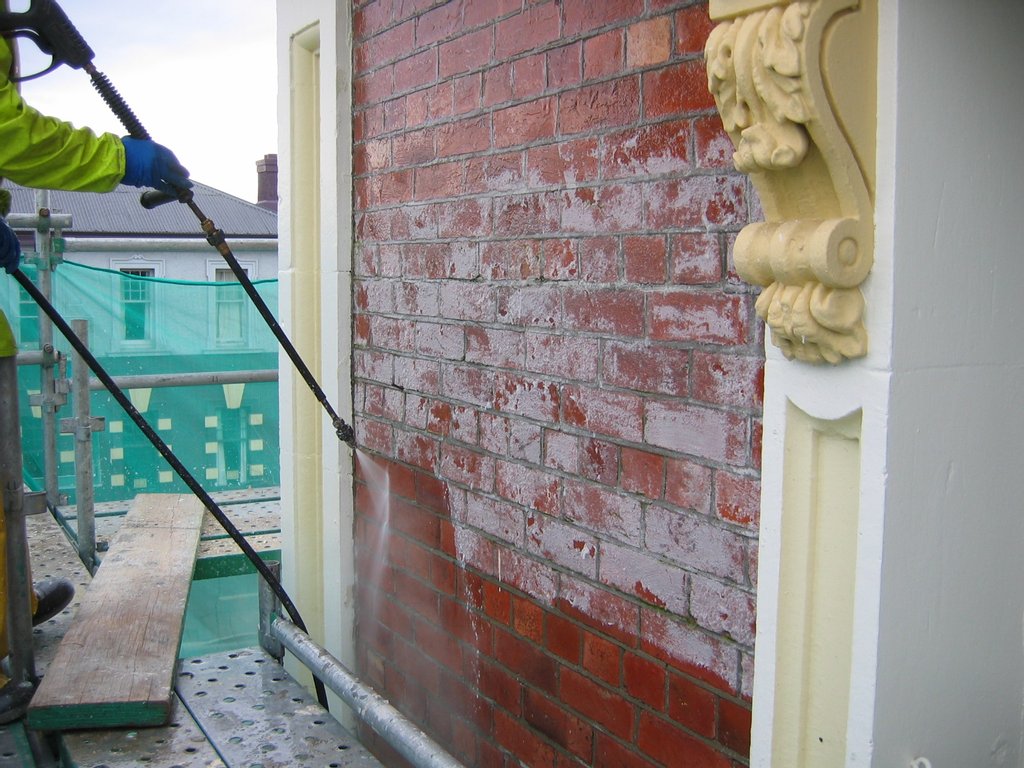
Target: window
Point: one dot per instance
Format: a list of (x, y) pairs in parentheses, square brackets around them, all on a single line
[(137, 303), (230, 324)]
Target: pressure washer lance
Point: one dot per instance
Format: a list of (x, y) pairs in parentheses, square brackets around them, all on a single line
[(46, 24), (215, 237)]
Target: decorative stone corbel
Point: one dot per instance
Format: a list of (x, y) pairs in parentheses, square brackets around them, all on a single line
[(794, 83)]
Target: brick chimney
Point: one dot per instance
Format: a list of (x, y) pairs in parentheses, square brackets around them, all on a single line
[(266, 177)]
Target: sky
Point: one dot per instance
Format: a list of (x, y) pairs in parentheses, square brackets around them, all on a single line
[(200, 75)]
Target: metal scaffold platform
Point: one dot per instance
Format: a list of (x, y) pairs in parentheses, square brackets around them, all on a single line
[(232, 708)]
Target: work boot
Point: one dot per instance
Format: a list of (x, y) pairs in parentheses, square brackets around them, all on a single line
[(14, 700), (53, 596)]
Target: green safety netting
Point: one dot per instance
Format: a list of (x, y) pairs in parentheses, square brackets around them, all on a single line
[(227, 435)]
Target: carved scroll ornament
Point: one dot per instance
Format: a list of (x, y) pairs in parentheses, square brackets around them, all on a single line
[(816, 246)]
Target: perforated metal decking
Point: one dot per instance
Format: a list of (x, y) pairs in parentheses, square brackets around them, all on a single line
[(235, 709)]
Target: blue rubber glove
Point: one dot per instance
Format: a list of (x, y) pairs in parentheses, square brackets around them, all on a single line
[(152, 165), (10, 248)]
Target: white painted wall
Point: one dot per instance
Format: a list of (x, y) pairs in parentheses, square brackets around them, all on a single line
[(951, 649), (331, 619)]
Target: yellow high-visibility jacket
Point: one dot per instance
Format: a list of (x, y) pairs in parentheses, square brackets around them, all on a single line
[(48, 153)]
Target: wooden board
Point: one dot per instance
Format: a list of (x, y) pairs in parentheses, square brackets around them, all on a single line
[(116, 665)]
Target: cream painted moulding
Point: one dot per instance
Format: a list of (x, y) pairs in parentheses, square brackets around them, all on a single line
[(794, 83)]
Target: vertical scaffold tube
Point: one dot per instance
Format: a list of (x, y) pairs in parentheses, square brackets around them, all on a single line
[(19, 609)]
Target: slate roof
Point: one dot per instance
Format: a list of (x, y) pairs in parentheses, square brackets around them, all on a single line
[(118, 213)]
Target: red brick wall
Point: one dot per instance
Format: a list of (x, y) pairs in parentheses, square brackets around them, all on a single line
[(562, 375)]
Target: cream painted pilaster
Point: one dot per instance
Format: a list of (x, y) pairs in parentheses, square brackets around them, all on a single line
[(315, 156)]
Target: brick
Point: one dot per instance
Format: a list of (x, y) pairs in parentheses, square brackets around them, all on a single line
[(528, 619), (696, 542), (599, 461), (502, 173), (609, 753), (688, 484), (602, 210), (418, 450), (586, 15), (566, 163), (734, 726), (690, 650), (550, 718), (561, 260), (374, 86), (438, 24), (457, 217), (714, 148), (529, 76), (602, 659), (649, 42), (642, 472), (688, 315), (439, 340), (495, 347), (723, 608), (604, 55), (648, 368), (524, 123), (466, 300), (561, 451), (693, 25), (645, 680), (648, 150), (564, 639), (531, 306), (565, 66), (562, 544), (598, 608), (695, 259), (604, 707), (463, 136), (701, 432), (519, 215), (696, 202), (535, 27), (413, 148), (526, 661), (653, 581), (613, 311), (646, 259), (728, 379), (370, 19), (530, 576), (496, 517), (679, 89), (672, 746), (469, 385), (477, 12), (501, 687), (532, 488), (466, 93), (417, 596), (510, 259), (599, 259), (692, 706), (416, 71), (529, 397), (497, 84), (603, 105), (617, 414), (465, 53), (437, 644), (570, 357), (738, 499), (385, 48), (602, 511), (513, 736), (462, 465)]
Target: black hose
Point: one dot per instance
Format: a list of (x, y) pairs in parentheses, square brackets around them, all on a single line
[(168, 455)]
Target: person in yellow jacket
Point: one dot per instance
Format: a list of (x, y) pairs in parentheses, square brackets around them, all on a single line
[(49, 153)]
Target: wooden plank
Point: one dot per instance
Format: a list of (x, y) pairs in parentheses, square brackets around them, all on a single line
[(116, 665)]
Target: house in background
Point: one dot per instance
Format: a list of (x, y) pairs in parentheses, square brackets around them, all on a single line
[(160, 300), (524, 223)]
